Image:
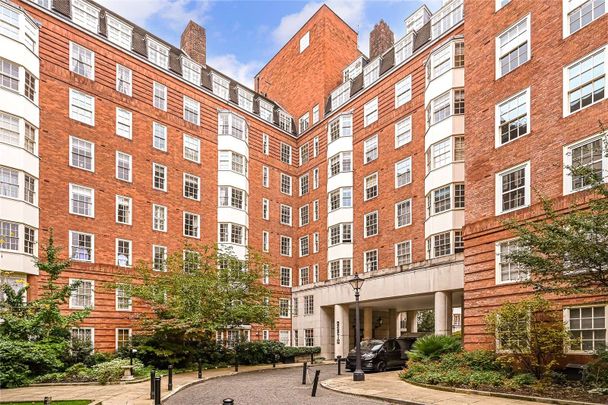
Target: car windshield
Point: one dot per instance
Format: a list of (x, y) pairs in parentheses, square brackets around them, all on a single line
[(372, 345)]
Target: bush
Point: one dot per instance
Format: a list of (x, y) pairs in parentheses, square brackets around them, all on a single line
[(523, 379), (290, 351), (23, 361), (112, 371), (596, 373), (485, 378), (260, 352), (481, 360), (433, 346)]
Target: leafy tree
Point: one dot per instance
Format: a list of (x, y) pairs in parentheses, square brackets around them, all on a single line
[(202, 291), (531, 333), (40, 319), (566, 251), (426, 321)]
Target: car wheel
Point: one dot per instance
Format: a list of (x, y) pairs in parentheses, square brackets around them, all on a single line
[(381, 366)]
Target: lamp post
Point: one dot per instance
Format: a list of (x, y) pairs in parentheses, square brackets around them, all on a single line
[(356, 283)]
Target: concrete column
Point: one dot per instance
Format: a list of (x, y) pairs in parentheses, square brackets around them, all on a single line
[(412, 322), (443, 313), (368, 322), (341, 330), (323, 334), (392, 323)]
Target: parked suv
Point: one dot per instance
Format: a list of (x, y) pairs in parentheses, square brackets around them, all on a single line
[(381, 355)]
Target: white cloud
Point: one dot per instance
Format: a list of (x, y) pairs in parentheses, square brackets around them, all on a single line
[(174, 13), (228, 64), (351, 11)]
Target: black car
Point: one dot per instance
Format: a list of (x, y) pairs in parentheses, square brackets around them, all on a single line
[(381, 355)]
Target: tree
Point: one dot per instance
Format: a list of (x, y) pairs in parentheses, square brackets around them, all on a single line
[(40, 319), (426, 321), (531, 333), (567, 253), (202, 291)]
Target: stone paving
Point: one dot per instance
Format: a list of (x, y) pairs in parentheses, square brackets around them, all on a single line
[(390, 387), (267, 387), (119, 394)]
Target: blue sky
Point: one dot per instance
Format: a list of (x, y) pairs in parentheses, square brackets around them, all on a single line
[(243, 35)]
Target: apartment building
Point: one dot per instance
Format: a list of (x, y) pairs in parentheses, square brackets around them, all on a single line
[(353, 165), (537, 75)]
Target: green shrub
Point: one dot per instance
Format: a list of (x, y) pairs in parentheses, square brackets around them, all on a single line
[(433, 346), (290, 351), (259, 352), (23, 360), (523, 379), (485, 378), (481, 360), (596, 373), (112, 371)]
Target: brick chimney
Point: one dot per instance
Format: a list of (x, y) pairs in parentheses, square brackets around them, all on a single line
[(194, 42), (380, 39)]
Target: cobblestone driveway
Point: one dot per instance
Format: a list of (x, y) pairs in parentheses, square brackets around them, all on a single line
[(266, 387)]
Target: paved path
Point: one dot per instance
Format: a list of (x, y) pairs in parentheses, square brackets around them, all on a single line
[(118, 394), (390, 387), (265, 388)]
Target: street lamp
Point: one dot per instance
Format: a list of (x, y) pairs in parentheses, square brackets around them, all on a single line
[(356, 283)]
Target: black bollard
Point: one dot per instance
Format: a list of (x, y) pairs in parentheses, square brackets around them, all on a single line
[(152, 376), (315, 383), (170, 383), (157, 383), (312, 358), (304, 373), (200, 370), (339, 365), (47, 400), (274, 360), (236, 363), (228, 401)]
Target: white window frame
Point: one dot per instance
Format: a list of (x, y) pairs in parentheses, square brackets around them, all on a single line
[(528, 41), (122, 71), (567, 156), (160, 52), (566, 86), (197, 141), (370, 144), (304, 41), (73, 50), (160, 88), (526, 94), (90, 99), (124, 118), (71, 232), (92, 191), (366, 269), (119, 33), (370, 112), (130, 179), (163, 129), (191, 71), (129, 258), (198, 228), (566, 318), (198, 186), (190, 102), (85, 15), (403, 88), (407, 162), (130, 212), (365, 234), (72, 281), (92, 145), (521, 272), (409, 246), (166, 180), (405, 126), (409, 203), (165, 218), (498, 187), (568, 6)]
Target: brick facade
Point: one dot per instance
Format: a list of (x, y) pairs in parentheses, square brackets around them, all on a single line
[(380, 39), (550, 131)]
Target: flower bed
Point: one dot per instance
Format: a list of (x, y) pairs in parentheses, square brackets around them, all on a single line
[(483, 370)]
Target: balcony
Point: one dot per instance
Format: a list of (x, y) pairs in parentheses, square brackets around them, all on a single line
[(450, 173), (452, 125), (445, 221)]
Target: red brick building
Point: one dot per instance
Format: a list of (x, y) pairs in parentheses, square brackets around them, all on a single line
[(536, 74), (337, 164)]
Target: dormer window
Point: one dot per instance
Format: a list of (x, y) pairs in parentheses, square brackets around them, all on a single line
[(371, 72), (340, 95), (157, 53), (353, 70), (447, 17), (221, 87), (266, 110), (245, 99), (191, 71), (284, 121), (119, 33), (85, 15), (403, 49)]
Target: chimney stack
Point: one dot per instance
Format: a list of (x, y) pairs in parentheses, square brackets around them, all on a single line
[(380, 39), (194, 42)]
